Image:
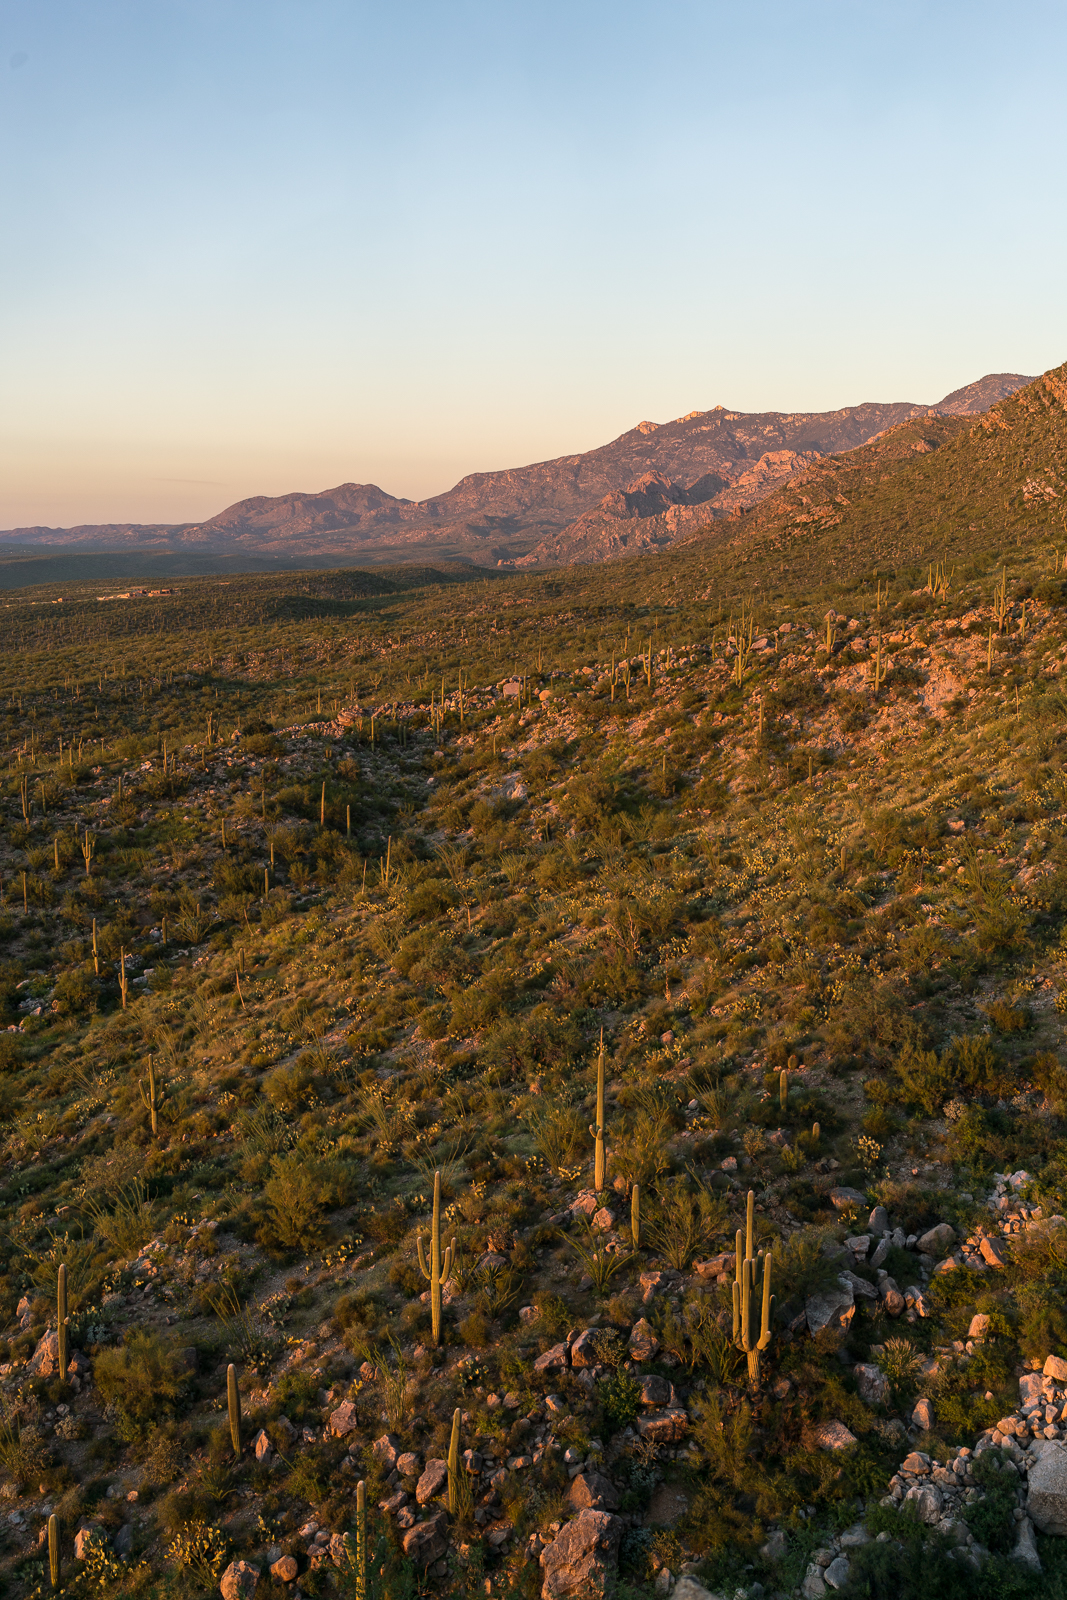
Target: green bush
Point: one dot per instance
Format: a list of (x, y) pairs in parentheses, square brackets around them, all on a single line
[(141, 1380)]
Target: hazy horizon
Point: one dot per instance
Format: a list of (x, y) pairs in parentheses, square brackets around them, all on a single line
[(261, 249)]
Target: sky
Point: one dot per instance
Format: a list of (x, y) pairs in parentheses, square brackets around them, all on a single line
[(254, 246)]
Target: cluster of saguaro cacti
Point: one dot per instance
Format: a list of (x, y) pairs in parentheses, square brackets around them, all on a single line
[(746, 1318), (62, 1320), (153, 1097), (233, 1405), (439, 1269), (596, 1129)]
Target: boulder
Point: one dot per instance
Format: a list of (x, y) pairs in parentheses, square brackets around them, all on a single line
[(284, 1569), (581, 1562), (434, 1479), (604, 1219), (239, 1581), (871, 1384), (44, 1363), (994, 1252), (427, 1541), (689, 1589), (1046, 1501), (938, 1241), (832, 1436), (1056, 1369), (1031, 1385), (583, 1353), (843, 1198), (835, 1576), (929, 1502), (262, 1447), (593, 1491), (91, 1534), (656, 1391), (643, 1342), (893, 1302), (344, 1420), (878, 1221), (922, 1414), (554, 1360), (814, 1584), (664, 1427), (834, 1308), (1025, 1549), (979, 1325), (385, 1450), (776, 1547)]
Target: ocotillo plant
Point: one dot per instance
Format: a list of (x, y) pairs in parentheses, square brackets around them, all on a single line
[(439, 1269), (53, 1550), (233, 1403), (635, 1216), (361, 1540), (153, 1097), (745, 1335), (62, 1321), (453, 1465), (596, 1128)]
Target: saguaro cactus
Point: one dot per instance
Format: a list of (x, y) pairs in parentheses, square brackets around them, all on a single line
[(635, 1215), (453, 1465), (233, 1402), (783, 1087), (596, 1128), (124, 982), (53, 1550), (361, 1540), (745, 1295), (62, 1321), (153, 1098), (439, 1269)]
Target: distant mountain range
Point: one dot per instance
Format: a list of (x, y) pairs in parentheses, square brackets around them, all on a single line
[(652, 485)]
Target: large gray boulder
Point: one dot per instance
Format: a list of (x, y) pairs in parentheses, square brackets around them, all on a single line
[(581, 1562), (833, 1308), (1046, 1502), (938, 1242)]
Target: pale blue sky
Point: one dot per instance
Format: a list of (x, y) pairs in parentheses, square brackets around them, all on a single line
[(258, 245)]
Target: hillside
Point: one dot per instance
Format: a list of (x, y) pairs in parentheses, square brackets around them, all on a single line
[(314, 886), (549, 513)]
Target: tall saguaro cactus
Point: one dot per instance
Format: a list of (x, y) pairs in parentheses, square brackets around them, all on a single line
[(53, 1550), (439, 1269), (62, 1321), (745, 1298), (361, 1540), (453, 1465), (597, 1128), (153, 1097), (635, 1216), (233, 1403)]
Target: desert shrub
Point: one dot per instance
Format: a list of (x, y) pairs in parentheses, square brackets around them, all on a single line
[(969, 1064), (683, 1220), (289, 1088), (619, 1395), (142, 1379), (537, 1042), (294, 1199)]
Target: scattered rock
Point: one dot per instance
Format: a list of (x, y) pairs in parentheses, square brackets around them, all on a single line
[(262, 1447), (832, 1436), (922, 1415), (344, 1420), (583, 1352), (834, 1308), (1025, 1548), (871, 1384), (664, 1427), (426, 1541), (656, 1391), (835, 1576), (1056, 1369), (994, 1252), (554, 1360), (386, 1449), (239, 1581), (938, 1241), (434, 1479), (284, 1569), (643, 1342), (979, 1325), (595, 1491), (581, 1562), (928, 1501), (90, 1533), (842, 1199)]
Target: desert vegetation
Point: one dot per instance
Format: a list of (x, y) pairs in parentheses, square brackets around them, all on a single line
[(564, 1052)]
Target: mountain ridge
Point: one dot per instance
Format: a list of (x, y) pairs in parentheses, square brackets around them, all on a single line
[(549, 512)]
